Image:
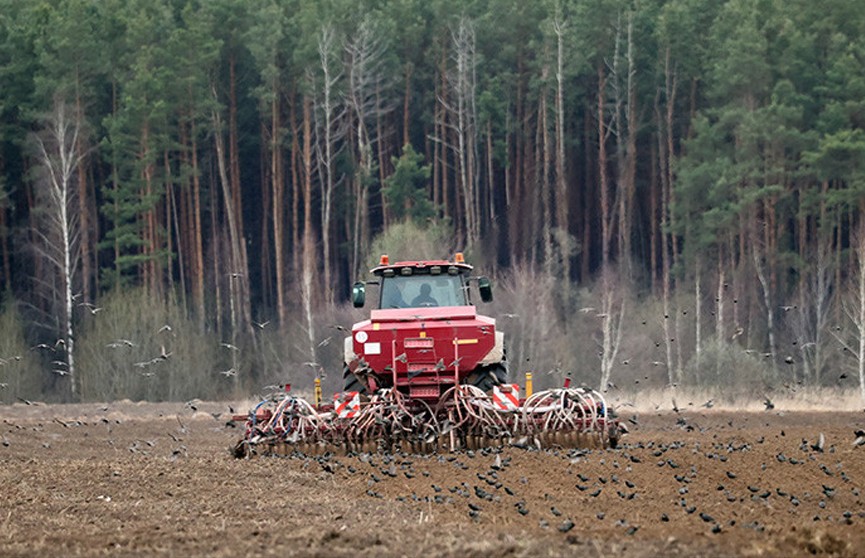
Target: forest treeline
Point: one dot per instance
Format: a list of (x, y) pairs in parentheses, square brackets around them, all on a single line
[(677, 179)]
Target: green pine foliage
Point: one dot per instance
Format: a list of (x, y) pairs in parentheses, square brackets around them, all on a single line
[(406, 189)]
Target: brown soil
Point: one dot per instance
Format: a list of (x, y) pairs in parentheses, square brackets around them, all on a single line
[(135, 479)]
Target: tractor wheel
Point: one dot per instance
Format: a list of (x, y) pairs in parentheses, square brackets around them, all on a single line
[(488, 377), (351, 382)]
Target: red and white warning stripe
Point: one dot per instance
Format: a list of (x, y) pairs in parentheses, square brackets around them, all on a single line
[(506, 397), (346, 404)]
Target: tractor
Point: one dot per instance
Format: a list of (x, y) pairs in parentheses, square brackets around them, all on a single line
[(425, 335), (426, 373)]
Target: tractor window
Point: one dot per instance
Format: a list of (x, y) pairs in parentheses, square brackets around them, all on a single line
[(422, 291)]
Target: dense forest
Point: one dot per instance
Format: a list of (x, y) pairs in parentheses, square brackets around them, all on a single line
[(672, 187)]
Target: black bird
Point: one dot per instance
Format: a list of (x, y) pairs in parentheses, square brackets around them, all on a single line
[(818, 446)]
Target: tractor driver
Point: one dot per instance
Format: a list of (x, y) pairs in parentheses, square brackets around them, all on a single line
[(424, 298)]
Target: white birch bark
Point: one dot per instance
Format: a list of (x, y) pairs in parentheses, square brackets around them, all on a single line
[(59, 158)]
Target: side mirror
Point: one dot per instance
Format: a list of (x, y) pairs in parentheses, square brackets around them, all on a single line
[(486, 289), (358, 294)]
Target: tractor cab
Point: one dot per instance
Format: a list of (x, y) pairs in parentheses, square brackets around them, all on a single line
[(423, 284)]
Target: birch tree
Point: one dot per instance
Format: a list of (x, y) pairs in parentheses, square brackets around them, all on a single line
[(366, 51), (330, 129), (854, 308), (612, 318), (461, 108), (58, 158)]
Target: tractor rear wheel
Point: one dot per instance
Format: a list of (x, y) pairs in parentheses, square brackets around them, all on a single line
[(488, 377), (351, 382)]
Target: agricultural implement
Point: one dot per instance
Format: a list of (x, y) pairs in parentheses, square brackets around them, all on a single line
[(425, 374)]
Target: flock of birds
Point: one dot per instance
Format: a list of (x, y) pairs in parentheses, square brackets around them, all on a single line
[(709, 478), (480, 482), (60, 367)]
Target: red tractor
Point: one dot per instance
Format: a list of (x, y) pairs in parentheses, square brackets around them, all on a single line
[(425, 335), (426, 373)]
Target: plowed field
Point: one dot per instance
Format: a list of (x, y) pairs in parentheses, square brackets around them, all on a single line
[(128, 479)]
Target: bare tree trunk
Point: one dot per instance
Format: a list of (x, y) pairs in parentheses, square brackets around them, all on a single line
[(409, 68), (459, 132), (308, 272), (664, 248), (278, 195), (59, 155), (588, 201), (719, 314), (612, 320), (654, 197), (444, 126), (266, 255), (83, 210), (233, 144), (308, 234), (464, 51), (561, 182), (366, 80), (295, 182), (623, 124), (630, 163), (172, 228), (758, 253), (860, 323), (669, 242), (813, 310), (238, 271), (198, 229), (603, 133), (671, 84), (698, 310), (331, 136), (216, 247), (854, 308), (543, 173)]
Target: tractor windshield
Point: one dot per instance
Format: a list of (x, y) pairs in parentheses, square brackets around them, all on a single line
[(416, 291)]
